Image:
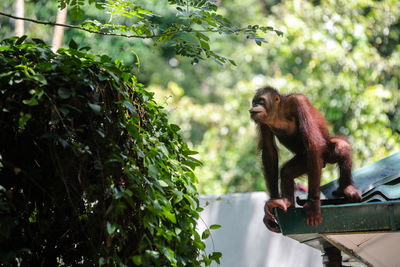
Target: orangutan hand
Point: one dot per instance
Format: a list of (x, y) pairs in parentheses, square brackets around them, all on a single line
[(269, 218)]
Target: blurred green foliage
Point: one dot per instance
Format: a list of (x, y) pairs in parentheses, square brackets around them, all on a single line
[(343, 55)]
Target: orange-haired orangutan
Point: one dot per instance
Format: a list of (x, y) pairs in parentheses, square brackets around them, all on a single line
[(304, 131)]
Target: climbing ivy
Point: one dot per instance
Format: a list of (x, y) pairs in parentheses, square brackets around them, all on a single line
[(91, 171)]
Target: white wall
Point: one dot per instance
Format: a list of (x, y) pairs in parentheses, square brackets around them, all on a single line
[(244, 240)]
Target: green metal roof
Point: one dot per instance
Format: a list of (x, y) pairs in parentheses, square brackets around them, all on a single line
[(385, 171), (356, 229), (361, 217)]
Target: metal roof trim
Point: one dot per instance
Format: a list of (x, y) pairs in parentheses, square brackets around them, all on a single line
[(345, 218)]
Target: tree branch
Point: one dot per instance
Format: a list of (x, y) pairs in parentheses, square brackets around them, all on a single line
[(79, 27), (188, 30)]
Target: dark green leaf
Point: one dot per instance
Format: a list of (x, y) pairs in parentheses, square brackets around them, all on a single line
[(21, 40), (137, 259), (215, 226), (38, 41), (111, 228), (72, 44), (96, 108), (130, 107), (40, 78), (31, 102), (190, 152), (64, 93), (216, 256), (175, 127), (23, 119), (205, 234)]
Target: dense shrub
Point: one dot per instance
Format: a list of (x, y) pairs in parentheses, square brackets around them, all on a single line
[(91, 172)]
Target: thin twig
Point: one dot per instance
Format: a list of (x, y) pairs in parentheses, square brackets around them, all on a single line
[(79, 27), (212, 239), (108, 33)]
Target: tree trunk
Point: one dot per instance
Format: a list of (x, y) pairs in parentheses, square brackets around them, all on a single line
[(265, 7), (58, 30), (19, 12)]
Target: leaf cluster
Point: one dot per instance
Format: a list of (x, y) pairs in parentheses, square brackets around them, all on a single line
[(91, 171), (190, 34)]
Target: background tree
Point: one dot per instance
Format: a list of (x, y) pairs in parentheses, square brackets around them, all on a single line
[(342, 55), (19, 12), (59, 30)]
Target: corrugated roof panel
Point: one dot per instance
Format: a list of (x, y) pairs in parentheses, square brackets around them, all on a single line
[(389, 191), (370, 176)]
